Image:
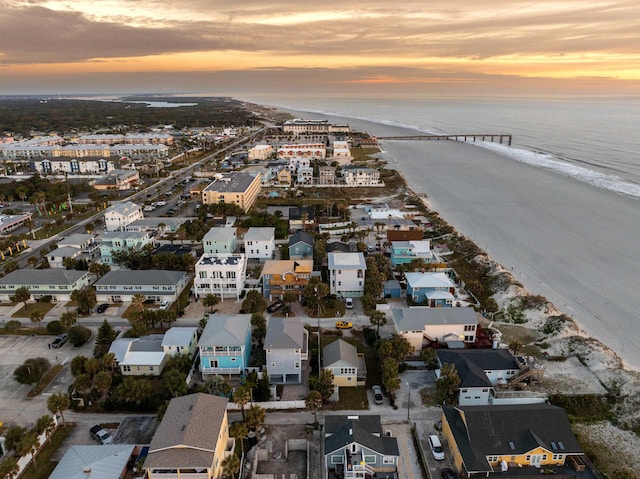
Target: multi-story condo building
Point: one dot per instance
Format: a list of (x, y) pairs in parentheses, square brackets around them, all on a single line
[(233, 188), (361, 176), (74, 166), (303, 150)]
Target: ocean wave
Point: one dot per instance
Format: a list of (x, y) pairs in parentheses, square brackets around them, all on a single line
[(549, 162)]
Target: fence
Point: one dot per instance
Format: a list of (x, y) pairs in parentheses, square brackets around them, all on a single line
[(272, 405)]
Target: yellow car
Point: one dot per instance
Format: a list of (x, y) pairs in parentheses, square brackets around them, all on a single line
[(343, 325)]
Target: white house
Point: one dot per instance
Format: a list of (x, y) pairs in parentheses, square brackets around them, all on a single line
[(305, 176), (155, 285), (287, 345), (361, 176), (57, 257), (118, 216), (180, 340), (346, 274), (259, 243), (98, 461), (142, 356), (453, 326), (57, 283), (341, 148), (298, 162), (222, 275), (86, 243)]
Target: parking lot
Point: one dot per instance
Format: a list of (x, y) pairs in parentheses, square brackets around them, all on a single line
[(15, 407)]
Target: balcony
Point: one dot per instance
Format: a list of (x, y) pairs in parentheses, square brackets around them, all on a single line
[(221, 371)]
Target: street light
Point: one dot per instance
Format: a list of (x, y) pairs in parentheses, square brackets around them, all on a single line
[(318, 333), (409, 404)]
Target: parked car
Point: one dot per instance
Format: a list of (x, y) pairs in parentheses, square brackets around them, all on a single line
[(449, 474), (275, 306), (348, 303), (59, 341), (164, 305), (100, 434), (102, 308), (436, 447), (377, 394), (343, 325)]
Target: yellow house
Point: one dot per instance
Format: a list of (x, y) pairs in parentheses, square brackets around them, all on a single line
[(284, 177), (192, 439), (487, 439), (233, 188), (142, 356), (348, 367)]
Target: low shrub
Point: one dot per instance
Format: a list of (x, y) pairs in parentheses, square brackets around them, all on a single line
[(79, 335), (55, 327), (13, 325)]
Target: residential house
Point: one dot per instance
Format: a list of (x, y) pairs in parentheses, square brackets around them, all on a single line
[(341, 148), (391, 289), (155, 285), (59, 257), (345, 363), (305, 176), (528, 438), (296, 163), (300, 245), (302, 217), (222, 275), (260, 243), (435, 290), (85, 243), (57, 283), (105, 461), (287, 345), (361, 176), (118, 216), (225, 344), (338, 247), (357, 447), (326, 175), (158, 224), (117, 180), (346, 274), (180, 340), (239, 189), (453, 326), (483, 372), (282, 276), (414, 234), (220, 241), (114, 241), (284, 178), (143, 356), (403, 252), (192, 439)]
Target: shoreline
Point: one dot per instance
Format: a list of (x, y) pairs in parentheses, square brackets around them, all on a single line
[(502, 246)]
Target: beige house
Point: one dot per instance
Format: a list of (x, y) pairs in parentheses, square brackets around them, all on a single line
[(346, 364), (233, 188), (180, 340), (142, 356), (192, 440), (284, 177)]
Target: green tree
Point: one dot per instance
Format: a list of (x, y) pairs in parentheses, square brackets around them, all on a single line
[(239, 430), (255, 417), (134, 390), (263, 387), (397, 347), (31, 371), (22, 295), (428, 355), (105, 336), (313, 401), (174, 382), (92, 366), (516, 346), (378, 319), (230, 466), (254, 302), (137, 307), (82, 383), (78, 365), (217, 386), (323, 383), (68, 319), (99, 269), (314, 294), (448, 384), (390, 379), (44, 424), (36, 317), (29, 443), (210, 300), (9, 467), (287, 298), (85, 298), (13, 436), (102, 382), (258, 328), (241, 397), (58, 403)]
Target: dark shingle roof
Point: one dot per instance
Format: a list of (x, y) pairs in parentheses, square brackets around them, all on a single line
[(301, 236), (507, 431), (341, 431), (471, 364)]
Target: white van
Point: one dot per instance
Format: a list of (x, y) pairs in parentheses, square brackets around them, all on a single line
[(348, 302), (436, 448)]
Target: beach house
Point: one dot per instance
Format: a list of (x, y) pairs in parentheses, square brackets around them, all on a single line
[(287, 345), (225, 344), (435, 290), (346, 274)]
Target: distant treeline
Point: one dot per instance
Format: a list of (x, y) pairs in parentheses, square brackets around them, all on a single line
[(23, 115)]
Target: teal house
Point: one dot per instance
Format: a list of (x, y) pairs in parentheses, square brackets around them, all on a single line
[(301, 246), (220, 240), (225, 345)]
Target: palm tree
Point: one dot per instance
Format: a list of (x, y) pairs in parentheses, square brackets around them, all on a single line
[(44, 424), (255, 417), (36, 317), (210, 300), (231, 466), (137, 305), (313, 401), (239, 430), (241, 396), (29, 444), (378, 318), (68, 319), (102, 382), (9, 467), (58, 403)]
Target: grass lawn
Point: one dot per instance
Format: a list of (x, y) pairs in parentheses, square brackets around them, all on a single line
[(43, 460), (44, 308), (351, 398)]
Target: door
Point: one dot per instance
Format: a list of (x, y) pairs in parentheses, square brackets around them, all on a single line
[(536, 459)]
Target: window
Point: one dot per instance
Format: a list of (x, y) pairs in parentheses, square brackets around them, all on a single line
[(370, 459), (492, 458), (126, 368), (297, 365), (337, 459)]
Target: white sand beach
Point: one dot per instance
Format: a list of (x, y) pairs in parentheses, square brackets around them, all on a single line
[(573, 243)]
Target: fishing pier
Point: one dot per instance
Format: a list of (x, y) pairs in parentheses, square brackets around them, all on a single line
[(495, 138)]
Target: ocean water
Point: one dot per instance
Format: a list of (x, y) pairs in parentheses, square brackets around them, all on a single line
[(594, 140)]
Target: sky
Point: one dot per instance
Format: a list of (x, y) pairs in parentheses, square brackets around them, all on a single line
[(366, 47)]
